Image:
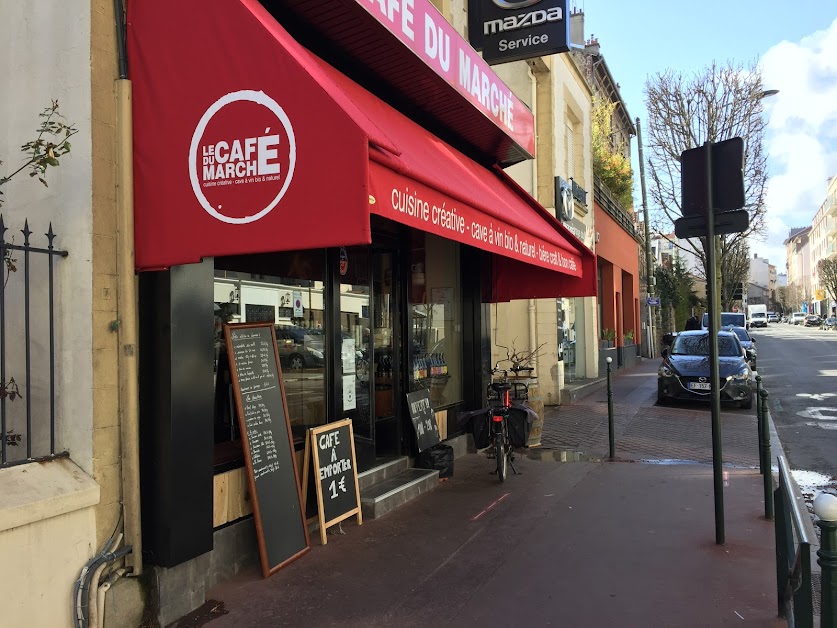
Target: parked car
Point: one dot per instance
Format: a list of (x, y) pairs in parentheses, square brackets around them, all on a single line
[(812, 320), (797, 318), (747, 343), (684, 372), (727, 318), (298, 347), (772, 317), (830, 323)]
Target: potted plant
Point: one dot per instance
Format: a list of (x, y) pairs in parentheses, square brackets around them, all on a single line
[(629, 337), (606, 334), (610, 337)]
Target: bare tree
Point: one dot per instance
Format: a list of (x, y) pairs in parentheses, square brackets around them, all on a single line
[(716, 104), (827, 270), (735, 271)]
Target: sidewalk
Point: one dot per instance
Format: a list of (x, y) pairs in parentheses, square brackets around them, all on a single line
[(587, 543)]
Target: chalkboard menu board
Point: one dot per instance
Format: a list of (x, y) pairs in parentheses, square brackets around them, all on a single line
[(330, 465), (268, 447), (424, 421)]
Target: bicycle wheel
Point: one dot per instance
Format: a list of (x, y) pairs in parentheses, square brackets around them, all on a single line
[(500, 454)]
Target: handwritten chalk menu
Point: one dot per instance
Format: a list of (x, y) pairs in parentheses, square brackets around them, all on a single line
[(330, 456), (268, 446), (424, 421)]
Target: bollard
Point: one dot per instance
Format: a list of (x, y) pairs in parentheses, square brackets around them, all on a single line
[(612, 445), (759, 420), (765, 447), (825, 507)]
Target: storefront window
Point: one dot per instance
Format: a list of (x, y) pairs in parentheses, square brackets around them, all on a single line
[(435, 357), (286, 289)]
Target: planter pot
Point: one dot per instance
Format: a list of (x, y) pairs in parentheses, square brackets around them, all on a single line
[(603, 355), (629, 355)]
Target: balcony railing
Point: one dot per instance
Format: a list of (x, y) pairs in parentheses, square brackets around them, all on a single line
[(613, 208)]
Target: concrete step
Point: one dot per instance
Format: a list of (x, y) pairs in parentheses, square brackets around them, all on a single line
[(384, 470), (382, 497)]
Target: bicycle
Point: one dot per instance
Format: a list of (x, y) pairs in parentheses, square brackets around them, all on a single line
[(503, 451)]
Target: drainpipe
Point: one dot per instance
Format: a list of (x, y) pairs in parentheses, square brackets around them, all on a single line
[(126, 288), (533, 341), (127, 316)]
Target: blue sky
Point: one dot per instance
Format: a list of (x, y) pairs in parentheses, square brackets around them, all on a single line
[(796, 45)]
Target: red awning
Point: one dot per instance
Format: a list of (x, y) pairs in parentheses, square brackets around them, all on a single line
[(247, 143)]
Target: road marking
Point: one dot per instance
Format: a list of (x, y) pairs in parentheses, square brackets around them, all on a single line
[(817, 414), (817, 396), (828, 373), (491, 505)]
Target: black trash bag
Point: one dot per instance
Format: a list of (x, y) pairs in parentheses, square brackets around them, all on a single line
[(519, 424), (438, 457), (478, 422)]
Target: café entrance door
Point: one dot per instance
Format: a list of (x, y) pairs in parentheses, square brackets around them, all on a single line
[(369, 306)]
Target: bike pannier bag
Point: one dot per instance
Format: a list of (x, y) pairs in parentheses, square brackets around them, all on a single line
[(518, 426), (481, 429)]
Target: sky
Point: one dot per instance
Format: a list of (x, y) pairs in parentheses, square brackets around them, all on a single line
[(796, 47)]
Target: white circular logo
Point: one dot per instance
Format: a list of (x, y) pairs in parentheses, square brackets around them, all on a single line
[(242, 157)]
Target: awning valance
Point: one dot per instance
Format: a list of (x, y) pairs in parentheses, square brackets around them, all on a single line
[(245, 142)]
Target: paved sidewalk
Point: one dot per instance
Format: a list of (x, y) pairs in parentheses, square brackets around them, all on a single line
[(588, 543), (644, 430)]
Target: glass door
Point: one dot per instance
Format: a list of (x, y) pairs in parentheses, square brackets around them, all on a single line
[(356, 351), (385, 355), (369, 352)]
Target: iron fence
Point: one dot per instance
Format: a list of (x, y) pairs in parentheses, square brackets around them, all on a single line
[(793, 555), (19, 260)]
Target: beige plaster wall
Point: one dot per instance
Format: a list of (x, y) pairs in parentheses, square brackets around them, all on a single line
[(47, 534)]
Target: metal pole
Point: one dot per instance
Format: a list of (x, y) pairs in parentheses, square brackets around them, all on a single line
[(714, 376), (827, 558), (649, 260), (759, 418), (765, 447), (612, 444), (826, 509)]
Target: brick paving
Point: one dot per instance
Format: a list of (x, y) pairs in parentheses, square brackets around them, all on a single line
[(646, 431)]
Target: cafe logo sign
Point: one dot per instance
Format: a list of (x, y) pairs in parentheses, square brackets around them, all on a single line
[(242, 157), (511, 30)]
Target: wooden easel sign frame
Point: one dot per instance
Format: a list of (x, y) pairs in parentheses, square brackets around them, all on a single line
[(331, 473), (272, 475)]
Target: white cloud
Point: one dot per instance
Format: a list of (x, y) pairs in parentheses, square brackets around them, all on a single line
[(801, 136)]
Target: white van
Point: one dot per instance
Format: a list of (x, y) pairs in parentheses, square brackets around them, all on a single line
[(757, 315)]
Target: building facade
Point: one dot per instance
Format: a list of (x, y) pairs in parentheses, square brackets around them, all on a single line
[(798, 246), (286, 175), (823, 246)]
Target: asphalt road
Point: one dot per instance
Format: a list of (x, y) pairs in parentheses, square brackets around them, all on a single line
[(799, 369)]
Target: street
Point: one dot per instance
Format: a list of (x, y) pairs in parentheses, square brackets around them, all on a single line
[(799, 368)]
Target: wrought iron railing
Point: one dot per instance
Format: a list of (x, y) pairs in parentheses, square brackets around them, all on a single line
[(16, 386), (613, 208)]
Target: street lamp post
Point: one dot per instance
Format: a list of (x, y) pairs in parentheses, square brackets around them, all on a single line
[(649, 260)]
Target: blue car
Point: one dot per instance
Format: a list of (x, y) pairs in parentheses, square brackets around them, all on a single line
[(684, 372), (747, 342)]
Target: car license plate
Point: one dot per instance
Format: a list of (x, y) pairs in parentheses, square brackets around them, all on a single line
[(699, 385)]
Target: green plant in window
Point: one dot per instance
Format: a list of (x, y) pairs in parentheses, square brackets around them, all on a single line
[(629, 336)]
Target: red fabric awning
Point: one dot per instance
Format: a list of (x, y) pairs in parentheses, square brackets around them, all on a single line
[(244, 142)]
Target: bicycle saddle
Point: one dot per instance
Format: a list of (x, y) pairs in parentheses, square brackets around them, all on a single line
[(499, 387)]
